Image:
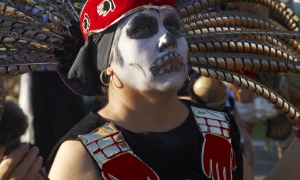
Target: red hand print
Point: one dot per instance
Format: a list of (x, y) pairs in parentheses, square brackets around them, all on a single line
[(127, 166), (218, 157)]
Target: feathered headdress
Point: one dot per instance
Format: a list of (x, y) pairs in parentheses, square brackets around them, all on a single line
[(42, 32)]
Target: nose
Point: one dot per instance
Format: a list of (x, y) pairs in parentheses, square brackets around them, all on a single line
[(167, 41)]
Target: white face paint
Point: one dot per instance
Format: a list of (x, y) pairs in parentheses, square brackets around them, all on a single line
[(153, 52)]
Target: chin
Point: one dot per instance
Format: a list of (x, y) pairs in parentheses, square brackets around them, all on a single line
[(171, 88), (166, 83), (172, 83)]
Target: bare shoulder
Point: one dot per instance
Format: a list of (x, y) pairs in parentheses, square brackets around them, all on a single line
[(72, 161), (248, 175)]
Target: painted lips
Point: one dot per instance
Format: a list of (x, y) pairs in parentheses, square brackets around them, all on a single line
[(171, 62)]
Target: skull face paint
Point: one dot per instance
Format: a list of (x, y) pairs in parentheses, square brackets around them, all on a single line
[(152, 51)]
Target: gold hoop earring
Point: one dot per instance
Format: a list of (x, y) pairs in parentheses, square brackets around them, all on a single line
[(118, 86), (101, 78)]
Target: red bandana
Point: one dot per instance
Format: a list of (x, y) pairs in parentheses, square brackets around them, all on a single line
[(97, 15)]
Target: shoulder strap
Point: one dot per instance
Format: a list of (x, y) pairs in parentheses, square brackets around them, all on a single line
[(113, 155), (218, 156), (213, 122)]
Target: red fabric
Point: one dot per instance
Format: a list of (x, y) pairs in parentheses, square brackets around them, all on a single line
[(218, 159), (127, 166), (297, 128), (97, 15), (248, 73)]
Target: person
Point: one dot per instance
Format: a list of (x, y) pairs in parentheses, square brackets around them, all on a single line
[(22, 163), (52, 108), (13, 124), (145, 131), (152, 70), (56, 109)]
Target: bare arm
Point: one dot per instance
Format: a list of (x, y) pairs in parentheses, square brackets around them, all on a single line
[(288, 166), (248, 175), (72, 162)]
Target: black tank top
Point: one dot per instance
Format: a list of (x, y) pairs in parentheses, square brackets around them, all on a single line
[(175, 154)]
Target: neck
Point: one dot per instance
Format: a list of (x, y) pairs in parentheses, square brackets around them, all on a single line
[(144, 111)]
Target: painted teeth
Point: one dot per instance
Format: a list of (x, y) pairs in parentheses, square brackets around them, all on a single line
[(171, 56)]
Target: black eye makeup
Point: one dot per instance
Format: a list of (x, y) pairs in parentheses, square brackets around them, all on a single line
[(142, 27), (172, 24)]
